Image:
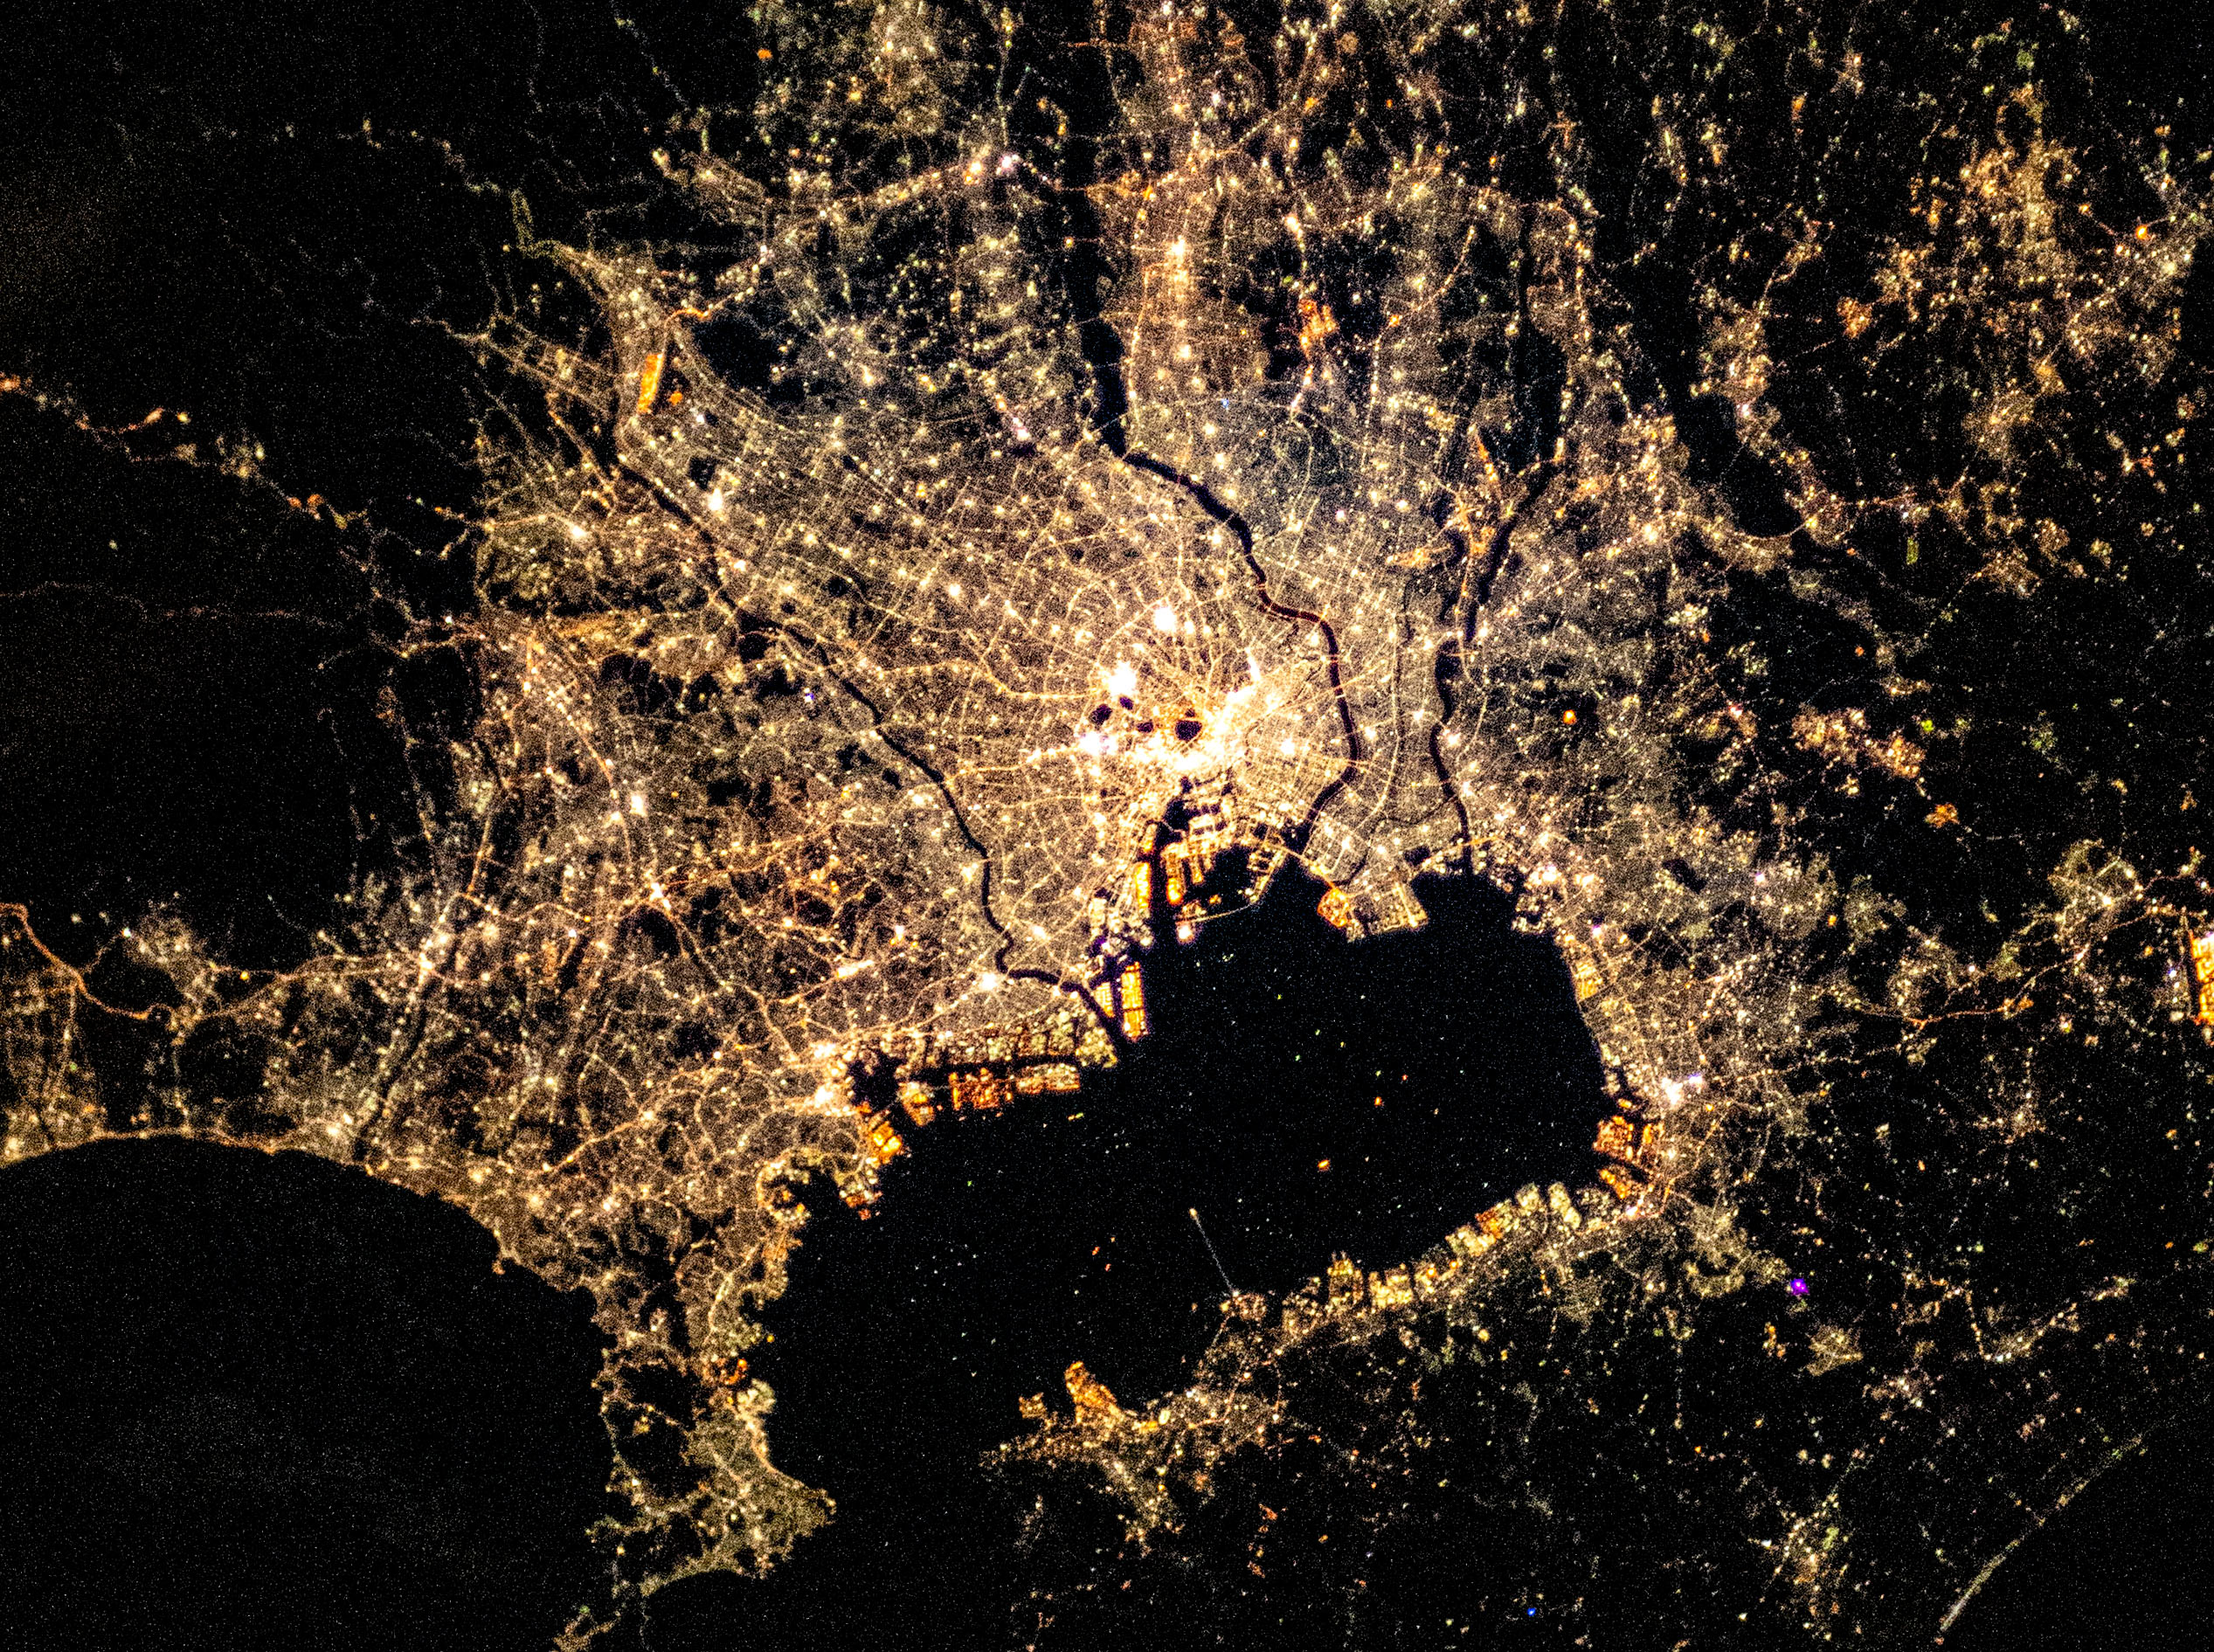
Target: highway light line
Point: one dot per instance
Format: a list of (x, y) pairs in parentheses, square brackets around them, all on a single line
[(1193, 1214)]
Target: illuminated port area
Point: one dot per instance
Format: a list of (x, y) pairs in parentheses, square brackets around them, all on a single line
[(1032, 1250)]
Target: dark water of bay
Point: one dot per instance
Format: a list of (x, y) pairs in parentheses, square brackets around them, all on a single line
[(262, 1400), (1433, 1072)]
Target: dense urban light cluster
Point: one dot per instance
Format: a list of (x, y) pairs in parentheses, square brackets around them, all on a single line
[(978, 554)]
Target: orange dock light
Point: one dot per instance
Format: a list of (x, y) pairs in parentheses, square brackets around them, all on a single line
[(916, 1101), (1173, 875), (1619, 1182), (1130, 992), (1048, 1078), (1391, 1289), (1336, 907), (1617, 1137), (1095, 1402), (649, 381), (980, 1092), (884, 1144), (2202, 949)]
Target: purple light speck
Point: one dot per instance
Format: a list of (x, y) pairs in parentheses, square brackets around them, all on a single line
[(1798, 1288)]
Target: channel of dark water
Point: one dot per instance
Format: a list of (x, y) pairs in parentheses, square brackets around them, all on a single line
[(1433, 1072)]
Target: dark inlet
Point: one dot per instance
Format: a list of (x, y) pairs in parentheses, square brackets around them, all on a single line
[(1432, 1072), (263, 1401)]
